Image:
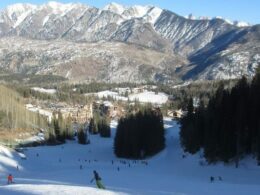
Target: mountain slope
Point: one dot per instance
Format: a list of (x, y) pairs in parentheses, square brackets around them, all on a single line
[(103, 61), (198, 46), (231, 55), (56, 170)]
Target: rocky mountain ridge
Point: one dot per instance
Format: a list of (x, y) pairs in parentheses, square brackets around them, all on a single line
[(196, 49)]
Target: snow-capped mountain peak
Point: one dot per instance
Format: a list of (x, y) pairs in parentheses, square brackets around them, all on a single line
[(148, 13), (153, 14), (58, 8), (16, 10), (192, 39), (115, 7), (136, 11), (241, 24)]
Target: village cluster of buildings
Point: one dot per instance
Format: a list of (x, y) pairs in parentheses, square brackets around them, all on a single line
[(78, 113), (83, 113)]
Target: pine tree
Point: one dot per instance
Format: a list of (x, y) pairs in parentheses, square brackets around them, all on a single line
[(140, 135), (229, 127), (255, 115), (104, 128), (92, 126), (82, 136)]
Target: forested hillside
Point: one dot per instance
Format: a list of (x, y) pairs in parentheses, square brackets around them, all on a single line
[(228, 128), (15, 120)]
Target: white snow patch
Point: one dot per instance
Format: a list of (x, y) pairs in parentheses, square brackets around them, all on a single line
[(36, 138), (108, 103), (59, 8), (18, 12), (42, 90), (149, 97), (136, 11), (21, 18), (241, 24), (58, 190), (115, 7), (45, 20), (106, 94), (18, 9), (153, 15), (8, 160), (41, 111)]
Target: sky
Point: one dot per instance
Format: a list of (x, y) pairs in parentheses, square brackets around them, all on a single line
[(242, 10)]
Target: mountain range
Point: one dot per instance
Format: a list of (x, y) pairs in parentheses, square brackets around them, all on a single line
[(124, 44)]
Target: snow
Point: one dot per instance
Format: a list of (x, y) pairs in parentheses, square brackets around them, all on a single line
[(149, 13), (7, 160), (143, 97), (18, 8), (241, 24), (42, 90), (115, 7), (140, 11), (123, 90), (58, 190), (149, 97), (106, 94), (236, 23), (41, 111), (153, 15), (56, 170), (36, 138), (18, 12), (108, 104), (59, 8), (136, 11), (45, 20), (229, 21), (21, 18)]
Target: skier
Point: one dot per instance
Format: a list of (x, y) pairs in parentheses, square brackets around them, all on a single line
[(98, 180), (10, 179)]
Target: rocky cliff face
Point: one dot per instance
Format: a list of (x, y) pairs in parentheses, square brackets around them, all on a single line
[(118, 44)]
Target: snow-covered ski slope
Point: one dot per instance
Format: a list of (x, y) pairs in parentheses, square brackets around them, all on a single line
[(56, 170)]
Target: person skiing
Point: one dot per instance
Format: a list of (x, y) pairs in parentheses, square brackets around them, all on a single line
[(98, 180), (10, 179)]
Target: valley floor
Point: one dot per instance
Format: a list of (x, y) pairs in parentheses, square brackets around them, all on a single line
[(56, 170)]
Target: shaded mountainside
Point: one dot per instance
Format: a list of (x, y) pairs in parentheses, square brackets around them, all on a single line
[(200, 49), (105, 61)]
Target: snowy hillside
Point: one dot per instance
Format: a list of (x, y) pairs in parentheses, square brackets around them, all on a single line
[(56, 170), (143, 97), (149, 97), (106, 94)]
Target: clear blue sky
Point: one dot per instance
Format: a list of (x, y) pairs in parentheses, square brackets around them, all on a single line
[(244, 10)]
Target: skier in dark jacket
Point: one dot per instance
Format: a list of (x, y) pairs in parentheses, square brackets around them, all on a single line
[(98, 180)]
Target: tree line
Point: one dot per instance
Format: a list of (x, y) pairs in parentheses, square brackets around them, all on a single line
[(13, 113), (140, 134), (60, 129), (100, 124), (228, 128)]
